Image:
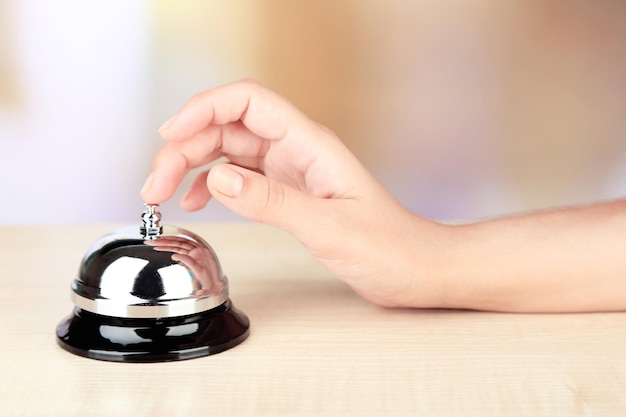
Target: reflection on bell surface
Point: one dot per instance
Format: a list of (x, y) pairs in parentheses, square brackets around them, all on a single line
[(151, 293)]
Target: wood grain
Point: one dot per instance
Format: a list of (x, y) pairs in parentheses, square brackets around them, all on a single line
[(315, 347)]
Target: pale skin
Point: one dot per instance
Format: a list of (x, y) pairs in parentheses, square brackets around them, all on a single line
[(286, 170)]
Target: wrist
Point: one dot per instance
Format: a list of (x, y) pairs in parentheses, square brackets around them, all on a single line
[(438, 269), (426, 271)]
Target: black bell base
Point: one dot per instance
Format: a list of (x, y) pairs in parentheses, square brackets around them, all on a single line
[(153, 340)]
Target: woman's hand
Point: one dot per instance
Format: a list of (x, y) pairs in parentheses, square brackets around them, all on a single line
[(287, 171)]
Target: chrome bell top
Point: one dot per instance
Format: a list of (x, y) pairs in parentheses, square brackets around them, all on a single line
[(149, 271)]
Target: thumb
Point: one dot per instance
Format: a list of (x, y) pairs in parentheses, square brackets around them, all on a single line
[(259, 198)]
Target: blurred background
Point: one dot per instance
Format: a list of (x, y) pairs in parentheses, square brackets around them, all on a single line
[(463, 109)]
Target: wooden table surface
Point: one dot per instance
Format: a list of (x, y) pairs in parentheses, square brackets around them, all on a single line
[(315, 347)]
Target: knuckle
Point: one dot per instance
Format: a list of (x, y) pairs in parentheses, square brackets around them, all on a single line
[(270, 199), (194, 101), (250, 82)]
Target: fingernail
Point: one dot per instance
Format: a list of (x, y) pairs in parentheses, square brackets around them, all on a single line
[(227, 181), (167, 124), (147, 184)]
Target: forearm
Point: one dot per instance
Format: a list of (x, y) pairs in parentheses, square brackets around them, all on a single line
[(566, 260)]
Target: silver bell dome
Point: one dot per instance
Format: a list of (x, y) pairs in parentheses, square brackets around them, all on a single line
[(149, 271)]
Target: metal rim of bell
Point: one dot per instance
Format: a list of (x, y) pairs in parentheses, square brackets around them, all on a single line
[(171, 308)]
